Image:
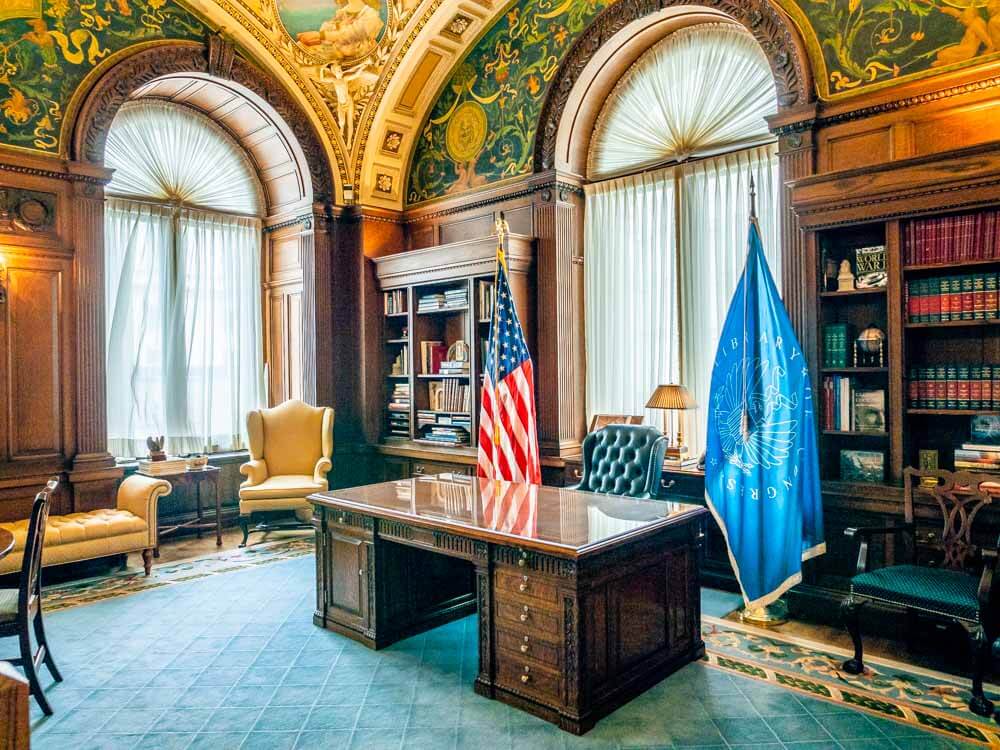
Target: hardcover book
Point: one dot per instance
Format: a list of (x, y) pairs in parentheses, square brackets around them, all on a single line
[(862, 466), (869, 410), (869, 265)]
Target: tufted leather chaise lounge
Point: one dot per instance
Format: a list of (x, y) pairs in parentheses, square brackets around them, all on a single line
[(128, 527), (623, 459)]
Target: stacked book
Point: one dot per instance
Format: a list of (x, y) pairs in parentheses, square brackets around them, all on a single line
[(978, 457), (954, 386), (457, 297), (427, 418), (399, 410), (971, 296), (446, 435), (454, 367), (848, 408), (487, 297), (430, 302), (836, 345), (953, 239), (162, 468), (395, 301)]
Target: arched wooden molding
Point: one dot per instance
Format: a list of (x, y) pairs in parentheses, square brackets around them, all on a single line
[(127, 76), (773, 31)]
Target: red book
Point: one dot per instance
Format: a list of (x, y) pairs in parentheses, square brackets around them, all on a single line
[(437, 354)]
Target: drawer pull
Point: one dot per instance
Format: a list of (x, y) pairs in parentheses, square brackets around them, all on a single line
[(526, 678), (523, 561), (522, 588), (524, 614), (524, 648), (361, 571)]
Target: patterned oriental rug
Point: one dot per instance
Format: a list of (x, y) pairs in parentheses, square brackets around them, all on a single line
[(889, 689), (904, 693)]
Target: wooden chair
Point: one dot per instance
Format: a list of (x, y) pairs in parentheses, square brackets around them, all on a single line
[(21, 608), (955, 587)]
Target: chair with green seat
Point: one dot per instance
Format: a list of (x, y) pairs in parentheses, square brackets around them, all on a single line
[(955, 579), (623, 459)]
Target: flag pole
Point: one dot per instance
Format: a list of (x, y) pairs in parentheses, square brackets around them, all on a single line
[(502, 229), (776, 613)]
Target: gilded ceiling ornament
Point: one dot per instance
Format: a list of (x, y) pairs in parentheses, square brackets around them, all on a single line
[(341, 46)]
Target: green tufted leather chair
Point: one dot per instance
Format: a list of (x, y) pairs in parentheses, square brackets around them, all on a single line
[(623, 459), (958, 586)]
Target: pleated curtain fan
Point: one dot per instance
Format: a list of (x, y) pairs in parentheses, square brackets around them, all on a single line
[(183, 284), (703, 89), (665, 246)]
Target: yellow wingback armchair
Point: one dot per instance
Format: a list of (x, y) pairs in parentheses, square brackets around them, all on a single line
[(290, 449)]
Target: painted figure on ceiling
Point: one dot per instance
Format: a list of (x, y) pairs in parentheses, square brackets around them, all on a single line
[(976, 36), (350, 33)]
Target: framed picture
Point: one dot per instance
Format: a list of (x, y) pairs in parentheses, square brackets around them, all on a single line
[(603, 420)]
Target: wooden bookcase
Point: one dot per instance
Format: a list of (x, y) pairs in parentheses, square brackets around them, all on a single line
[(454, 269), (853, 209)]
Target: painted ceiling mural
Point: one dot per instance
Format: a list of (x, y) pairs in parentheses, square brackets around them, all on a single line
[(47, 47), (482, 127)]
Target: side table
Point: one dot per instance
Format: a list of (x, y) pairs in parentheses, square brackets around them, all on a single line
[(196, 477)]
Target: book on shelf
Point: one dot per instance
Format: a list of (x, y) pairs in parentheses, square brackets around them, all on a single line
[(847, 407), (836, 345), (430, 302), (454, 367), (431, 355), (400, 364), (954, 386), (955, 238), (985, 429), (869, 267), (972, 296), (457, 297), (862, 466), (448, 395), (446, 435), (395, 301), (487, 297)]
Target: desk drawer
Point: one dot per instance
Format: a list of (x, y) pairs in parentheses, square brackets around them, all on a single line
[(526, 583), (528, 617), (529, 647), (526, 677)]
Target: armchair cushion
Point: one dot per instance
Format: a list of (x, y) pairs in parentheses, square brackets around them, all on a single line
[(941, 591), (286, 485)]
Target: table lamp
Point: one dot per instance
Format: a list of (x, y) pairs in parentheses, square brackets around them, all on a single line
[(673, 397)]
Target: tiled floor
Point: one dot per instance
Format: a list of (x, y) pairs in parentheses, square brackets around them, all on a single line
[(233, 661)]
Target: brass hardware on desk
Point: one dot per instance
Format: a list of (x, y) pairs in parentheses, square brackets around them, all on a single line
[(524, 585), (666, 485), (419, 468), (524, 646), (523, 561), (526, 677), (524, 614)]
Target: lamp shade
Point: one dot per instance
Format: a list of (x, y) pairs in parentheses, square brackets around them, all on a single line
[(671, 396)]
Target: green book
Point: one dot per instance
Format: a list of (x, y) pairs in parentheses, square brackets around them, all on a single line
[(950, 388), (940, 384), (975, 387), (962, 373), (968, 306), (944, 301)]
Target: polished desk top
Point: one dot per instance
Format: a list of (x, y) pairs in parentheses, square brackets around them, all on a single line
[(6, 543), (567, 522)]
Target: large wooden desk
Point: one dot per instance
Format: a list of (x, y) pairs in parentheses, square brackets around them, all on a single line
[(584, 599)]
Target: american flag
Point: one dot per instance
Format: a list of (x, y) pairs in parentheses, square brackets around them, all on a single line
[(508, 441), (511, 507)]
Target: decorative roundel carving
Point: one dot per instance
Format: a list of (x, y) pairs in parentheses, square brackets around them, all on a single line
[(33, 213), (465, 135)]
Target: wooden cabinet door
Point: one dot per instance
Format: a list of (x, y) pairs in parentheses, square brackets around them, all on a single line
[(347, 592)]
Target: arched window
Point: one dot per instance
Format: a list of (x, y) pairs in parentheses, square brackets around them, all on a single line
[(183, 282), (673, 152)]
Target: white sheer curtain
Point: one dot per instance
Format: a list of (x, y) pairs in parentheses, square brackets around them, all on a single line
[(701, 90), (630, 287), (183, 287), (714, 219)]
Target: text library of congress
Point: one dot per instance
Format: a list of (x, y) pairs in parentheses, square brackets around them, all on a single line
[(484, 374)]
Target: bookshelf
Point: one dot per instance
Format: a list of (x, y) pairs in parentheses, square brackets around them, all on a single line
[(447, 290), (939, 310)]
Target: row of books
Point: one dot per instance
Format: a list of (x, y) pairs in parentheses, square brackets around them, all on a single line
[(401, 362), (954, 386), (487, 297), (971, 296), (448, 395), (454, 367), (395, 301), (446, 435), (432, 353), (849, 408), (449, 299), (836, 346), (399, 411), (953, 239), (978, 457)]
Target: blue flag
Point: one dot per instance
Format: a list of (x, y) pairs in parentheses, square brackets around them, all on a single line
[(761, 463)]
